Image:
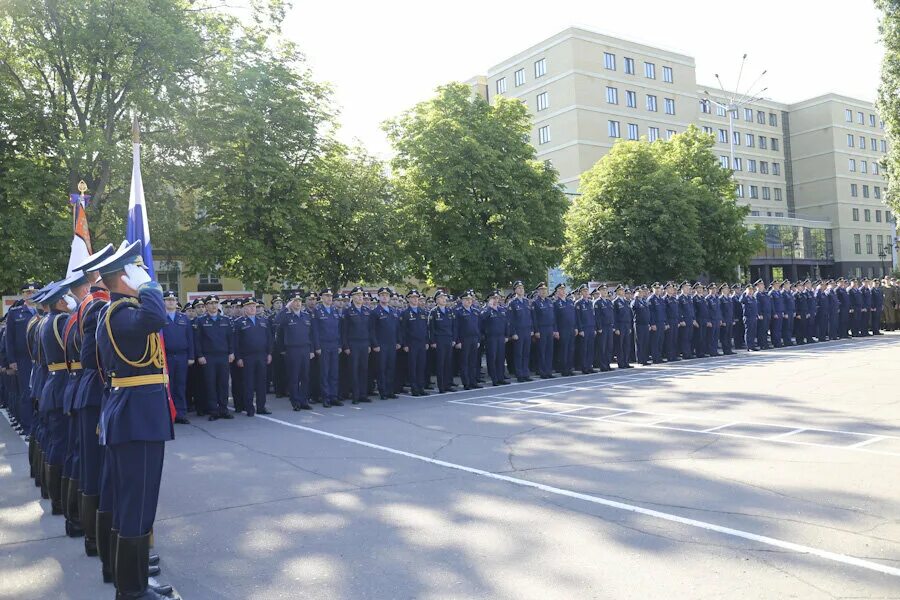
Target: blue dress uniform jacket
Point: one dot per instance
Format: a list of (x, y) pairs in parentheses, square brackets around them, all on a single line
[(701, 314), (686, 333), (414, 337), (726, 336), (844, 314), (214, 341), (545, 325), (564, 313), (178, 335), (441, 332), (356, 336), (494, 327), (17, 320), (750, 310), (50, 400), (327, 326), (715, 316), (777, 321), (253, 341), (787, 325), (641, 329), (467, 333), (521, 325), (586, 324), (673, 318), (764, 305), (657, 305), (384, 322)]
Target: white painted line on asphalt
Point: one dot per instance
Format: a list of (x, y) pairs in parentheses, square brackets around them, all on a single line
[(618, 414), (871, 440), (711, 429), (789, 433), (571, 410), (738, 533)]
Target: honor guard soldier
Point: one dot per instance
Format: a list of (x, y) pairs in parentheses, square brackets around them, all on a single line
[(641, 312), (327, 325), (17, 353), (877, 306), (521, 328), (253, 353), (137, 420), (775, 325), (606, 324), (214, 345), (586, 324), (566, 330), (385, 333), (659, 326), (750, 310), (715, 316), (738, 322), (673, 319), (624, 318), (800, 308), (545, 331), (844, 313), (787, 325), (467, 335), (234, 311), (178, 337), (441, 332), (297, 332), (701, 315), (822, 311), (686, 316), (414, 338), (727, 308), (764, 305), (356, 341), (495, 329)]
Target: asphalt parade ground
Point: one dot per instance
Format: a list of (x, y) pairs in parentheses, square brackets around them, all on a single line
[(761, 475)]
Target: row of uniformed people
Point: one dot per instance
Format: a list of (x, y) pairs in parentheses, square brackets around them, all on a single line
[(87, 387)]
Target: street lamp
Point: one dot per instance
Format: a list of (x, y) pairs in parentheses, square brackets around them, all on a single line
[(732, 103)]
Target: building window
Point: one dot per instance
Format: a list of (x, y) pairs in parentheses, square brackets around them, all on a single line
[(520, 77), (720, 110), (880, 242), (856, 214), (851, 140), (863, 166), (630, 99), (867, 215), (862, 142), (614, 129), (651, 103), (543, 101), (873, 146), (750, 139), (544, 134), (776, 168), (764, 167), (540, 67), (612, 95), (704, 106), (208, 282), (887, 216), (738, 164), (501, 85), (851, 165), (869, 243), (773, 119), (857, 243), (653, 133), (609, 61), (878, 218), (723, 136), (761, 117), (875, 168), (670, 106), (670, 133), (633, 132), (865, 191), (777, 194), (751, 165), (649, 70), (766, 193), (667, 74), (723, 161), (877, 191), (707, 130), (884, 145), (774, 144), (854, 190), (762, 143), (871, 120), (736, 138), (629, 66), (168, 274), (748, 115), (739, 190), (848, 116), (860, 118), (754, 191)]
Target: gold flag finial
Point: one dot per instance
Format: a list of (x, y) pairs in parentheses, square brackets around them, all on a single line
[(82, 187)]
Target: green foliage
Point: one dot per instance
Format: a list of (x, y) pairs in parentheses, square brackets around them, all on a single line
[(476, 208), (888, 103), (656, 211)]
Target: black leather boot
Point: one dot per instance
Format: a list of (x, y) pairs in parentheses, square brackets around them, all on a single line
[(132, 557), (73, 510), (64, 495), (36, 466), (104, 527), (54, 485), (32, 448), (88, 512)]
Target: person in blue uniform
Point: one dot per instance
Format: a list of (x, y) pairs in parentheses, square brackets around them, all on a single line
[(641, 312), (606, 325), (701, 315), (866, 310), (178, 335), (715, 317), (327, 325), (17, 352), (137, 420), (811, 311), (777, 301), (822, 311), (521, 329), (738, 311), (356, 340), (800, 312), (441, 332), (750, 310), (297, 334), (834, 310), (624, 318), (253, 343), (566, 331), (659, 327), (586, 325), (673, 319), (385, 333), (414, 339), (877, 306), (764, 306), (726, 335), (790, 309), (544, 331), (232, 309), (494, 328), (844, 314), (686, 315), (214, 345), (466, 337)]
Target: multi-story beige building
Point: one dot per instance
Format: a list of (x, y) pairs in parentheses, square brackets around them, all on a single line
[(818, 197)]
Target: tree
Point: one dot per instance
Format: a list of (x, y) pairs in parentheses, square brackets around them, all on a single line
[(475, 206), (635, 219), (888, 103), (725, 241)]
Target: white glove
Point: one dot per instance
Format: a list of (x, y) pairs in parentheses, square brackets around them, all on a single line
[(135, 276), (70, 302)]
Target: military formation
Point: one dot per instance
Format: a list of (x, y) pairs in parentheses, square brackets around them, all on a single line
[(96, 367)]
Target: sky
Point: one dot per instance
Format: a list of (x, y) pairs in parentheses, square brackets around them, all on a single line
[(381, 58)]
